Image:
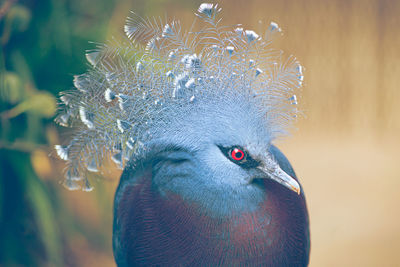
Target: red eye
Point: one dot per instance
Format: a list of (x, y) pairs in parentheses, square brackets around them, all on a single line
[(237, 154)]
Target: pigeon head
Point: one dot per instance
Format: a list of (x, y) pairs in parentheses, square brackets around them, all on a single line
[(215, 153)]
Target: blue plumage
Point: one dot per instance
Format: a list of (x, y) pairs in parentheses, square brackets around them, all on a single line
[(134, 85), (190, 117)]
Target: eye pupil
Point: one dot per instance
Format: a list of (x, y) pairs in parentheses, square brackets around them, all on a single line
[(237, 154)]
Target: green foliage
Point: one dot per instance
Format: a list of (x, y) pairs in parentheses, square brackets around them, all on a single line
[(42, 46), (41, 104), (11, 89), (30, 225), (16, 20)]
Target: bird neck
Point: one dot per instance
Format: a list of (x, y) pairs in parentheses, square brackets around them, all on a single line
[(179, 231)]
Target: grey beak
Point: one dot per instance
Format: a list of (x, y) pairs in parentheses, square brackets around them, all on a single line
[(278, 175)]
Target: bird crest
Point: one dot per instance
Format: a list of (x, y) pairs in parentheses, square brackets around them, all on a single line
[(135, 85)]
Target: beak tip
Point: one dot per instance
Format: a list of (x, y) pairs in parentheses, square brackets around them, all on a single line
[(296, 188), (298, 191)]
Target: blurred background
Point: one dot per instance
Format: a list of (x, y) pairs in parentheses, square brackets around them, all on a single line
[(345, 147)]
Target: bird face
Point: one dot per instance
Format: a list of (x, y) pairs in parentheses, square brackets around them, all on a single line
[(262, 164), (216, 157)]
